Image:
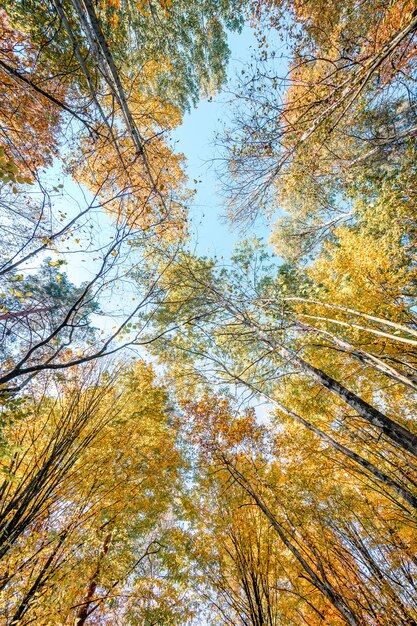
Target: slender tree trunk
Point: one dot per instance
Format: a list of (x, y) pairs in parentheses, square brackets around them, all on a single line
[(381, 576), (365, 357), (320, 583), (37, 584), (404, 438), (367, 465), (394, 431), (84, 610), (345, 309)]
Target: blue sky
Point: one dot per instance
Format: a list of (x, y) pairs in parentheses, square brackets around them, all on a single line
[(210, 233)]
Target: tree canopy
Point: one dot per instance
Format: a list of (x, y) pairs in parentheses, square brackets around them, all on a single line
[(190, 439)]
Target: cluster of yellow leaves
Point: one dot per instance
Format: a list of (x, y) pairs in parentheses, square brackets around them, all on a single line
[(110, 504), (30, 120), (149, 188), (395, 17), (356, 273), (212, 424), (345, 58), (360, 272), (329, 511)]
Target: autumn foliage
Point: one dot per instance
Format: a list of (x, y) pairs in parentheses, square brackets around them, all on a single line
[(188, 439)]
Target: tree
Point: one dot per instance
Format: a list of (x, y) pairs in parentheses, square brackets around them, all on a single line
[(90, 478), (258, 492), (339, 109), (251, 339), (104, 99)]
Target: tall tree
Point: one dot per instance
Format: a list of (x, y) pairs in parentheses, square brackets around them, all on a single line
[(339, 107), (322, 540), (89, 481)]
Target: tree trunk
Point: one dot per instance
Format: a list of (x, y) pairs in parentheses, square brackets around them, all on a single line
[(394, 431), (322, 585), (367, 465), (84, 610)]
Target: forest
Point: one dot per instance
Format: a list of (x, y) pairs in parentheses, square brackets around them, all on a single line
[(192, 439)]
